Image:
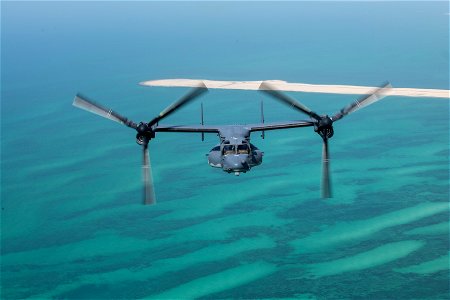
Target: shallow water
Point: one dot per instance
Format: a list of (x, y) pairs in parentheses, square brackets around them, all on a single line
[(72, 222)]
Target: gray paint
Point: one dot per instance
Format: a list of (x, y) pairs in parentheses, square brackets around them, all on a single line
[(234, 137)]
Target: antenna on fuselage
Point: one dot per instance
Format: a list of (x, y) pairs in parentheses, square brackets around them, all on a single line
[(262, 118), (201, 118)]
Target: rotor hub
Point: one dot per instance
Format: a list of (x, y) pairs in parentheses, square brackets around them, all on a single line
[(324, 127), (145, 133), (142, 127)]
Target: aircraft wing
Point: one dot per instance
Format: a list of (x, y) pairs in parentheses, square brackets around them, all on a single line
[(216, 129), (186, 128), (279, 125)]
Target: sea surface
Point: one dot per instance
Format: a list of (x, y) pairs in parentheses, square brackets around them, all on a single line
[(72, 222)]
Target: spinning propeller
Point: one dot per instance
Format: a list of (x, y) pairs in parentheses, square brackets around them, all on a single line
[(323, 124), (145, 131)]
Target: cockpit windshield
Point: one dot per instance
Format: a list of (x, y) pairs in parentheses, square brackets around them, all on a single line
[(228, 149), (243, 149), (236, 149)]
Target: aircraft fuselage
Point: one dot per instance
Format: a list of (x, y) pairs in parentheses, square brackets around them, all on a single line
[(235, 154)]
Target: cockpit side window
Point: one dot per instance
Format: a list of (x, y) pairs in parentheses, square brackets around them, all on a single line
[(243, 149), (228, 149)]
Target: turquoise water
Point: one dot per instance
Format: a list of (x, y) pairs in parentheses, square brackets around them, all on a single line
[(72, 222)]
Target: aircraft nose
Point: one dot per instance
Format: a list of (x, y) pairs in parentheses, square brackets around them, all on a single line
[(235, 163)]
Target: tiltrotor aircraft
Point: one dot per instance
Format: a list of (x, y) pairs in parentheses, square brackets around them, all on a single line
[(234, 153)]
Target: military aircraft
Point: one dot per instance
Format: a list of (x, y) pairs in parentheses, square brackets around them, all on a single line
[(234, 153)]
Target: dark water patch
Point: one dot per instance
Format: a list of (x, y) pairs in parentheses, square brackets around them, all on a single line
[(343, 250), (433, 173), (436, 246), (97, 291), (273, 286), (47, 238), (114, 155), (411, 286), (253, 202), (444, 153), (380, 169), (260, 202), (342, 170), (170, 250), (313, 217), (307, 210), (376, 283), (373, 147), (122, 200), (303, 149), (409, 193), (275, 255), (271, 175), (30, 285), (251, 232), (436, 219), (240, 208), (279, 194), (186, 186), (218, 178), (437, 174), (362, 153), (156, 285), (14, 167), (48, 279), (360, 182), (286, 162), (428, 163), (140, 225), (397, 141), (49, 146)]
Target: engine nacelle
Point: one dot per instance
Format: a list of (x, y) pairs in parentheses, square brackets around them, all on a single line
[(215, 157)]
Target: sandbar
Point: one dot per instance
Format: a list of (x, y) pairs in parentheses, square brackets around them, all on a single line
[(298, 87)]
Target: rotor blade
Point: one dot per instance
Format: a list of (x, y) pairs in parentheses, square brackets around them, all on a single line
[(326, 184), (194, 93), (149, 192), (90, 106), (272, 91), (364, 101)]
